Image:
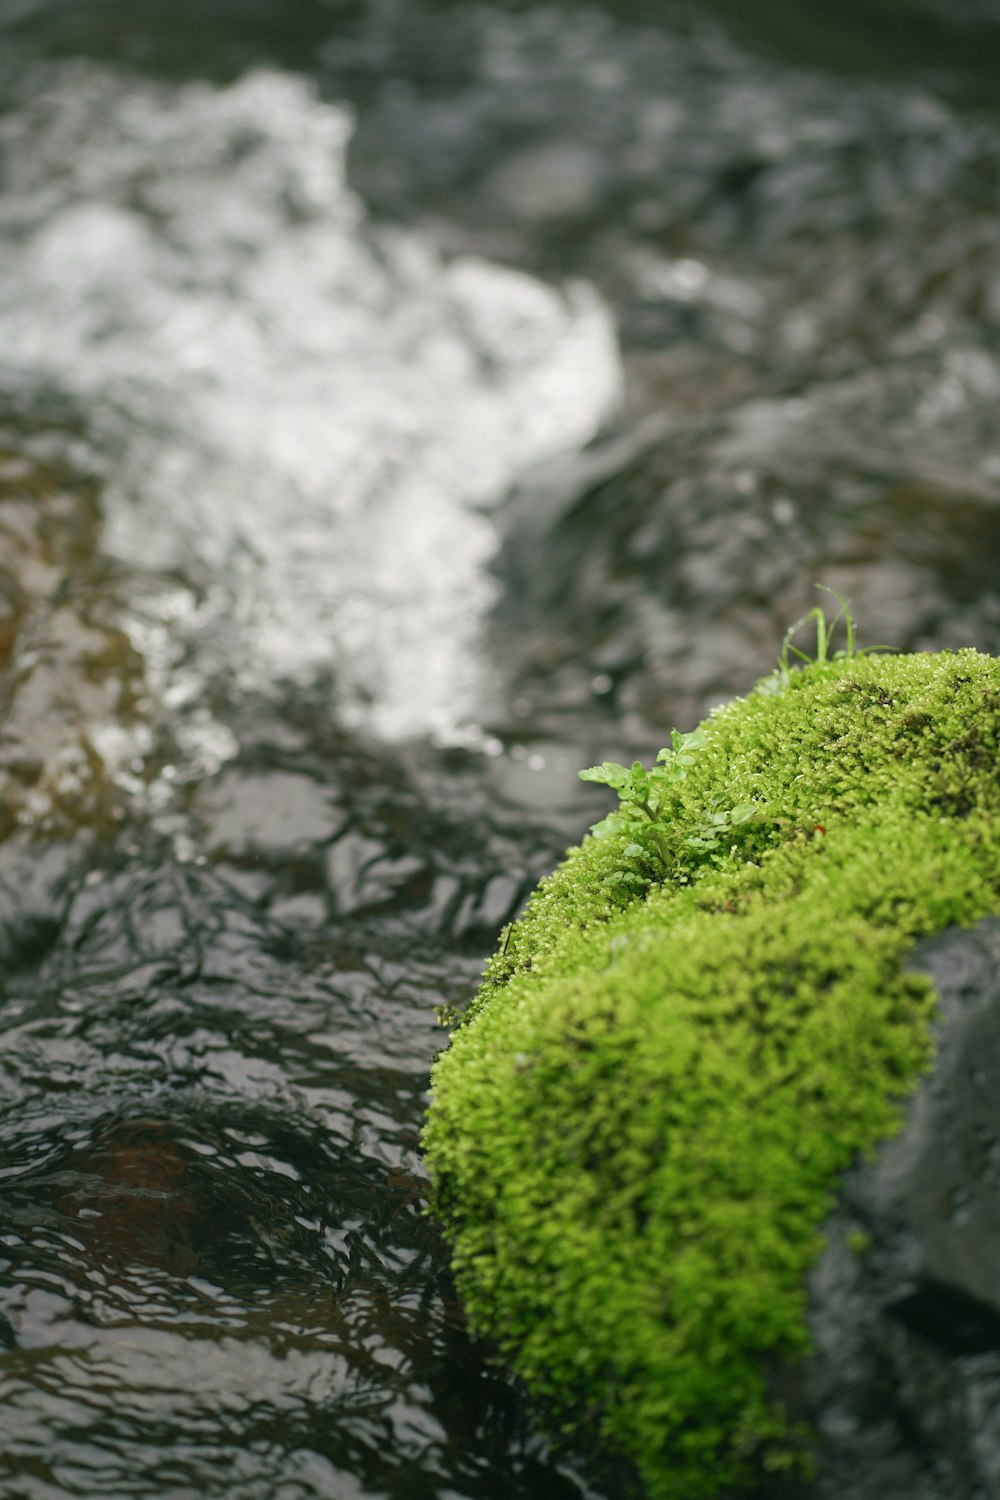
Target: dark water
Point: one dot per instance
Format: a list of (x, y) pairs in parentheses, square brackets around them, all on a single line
[(354, 491)]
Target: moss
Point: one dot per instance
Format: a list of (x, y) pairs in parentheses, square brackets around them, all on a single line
[(637, 1131)]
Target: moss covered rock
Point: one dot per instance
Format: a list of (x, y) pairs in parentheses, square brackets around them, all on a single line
[(638, 1128)]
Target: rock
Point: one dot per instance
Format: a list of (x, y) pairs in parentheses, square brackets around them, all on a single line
[(905, 1301), (681, 1048)]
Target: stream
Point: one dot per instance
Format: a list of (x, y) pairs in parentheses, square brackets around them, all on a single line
[(403, 404)]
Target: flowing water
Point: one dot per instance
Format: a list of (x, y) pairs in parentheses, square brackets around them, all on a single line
[(400, 407)]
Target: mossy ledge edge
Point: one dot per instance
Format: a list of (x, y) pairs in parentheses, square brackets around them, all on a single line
[(638, 1127)]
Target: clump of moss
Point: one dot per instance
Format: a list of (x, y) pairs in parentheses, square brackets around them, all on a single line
[(638, 1128)]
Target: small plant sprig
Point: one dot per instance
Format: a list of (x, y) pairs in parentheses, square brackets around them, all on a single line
[(824, 636), (643, 797)]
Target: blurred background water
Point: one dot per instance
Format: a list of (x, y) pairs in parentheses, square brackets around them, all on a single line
[(401, 405)]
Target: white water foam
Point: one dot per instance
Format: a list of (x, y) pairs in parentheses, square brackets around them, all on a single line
[(309, 416)]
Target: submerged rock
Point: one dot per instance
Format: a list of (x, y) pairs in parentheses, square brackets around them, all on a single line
[(71, 681), (641, 1125)]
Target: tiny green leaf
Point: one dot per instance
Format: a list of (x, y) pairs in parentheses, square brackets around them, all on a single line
[(607, 827), (608, 773)]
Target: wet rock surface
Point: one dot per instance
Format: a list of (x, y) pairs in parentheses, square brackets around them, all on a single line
[(691, 573), (905, 1302)]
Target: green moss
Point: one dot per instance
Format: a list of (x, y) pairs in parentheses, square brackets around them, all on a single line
[(637, 1131)]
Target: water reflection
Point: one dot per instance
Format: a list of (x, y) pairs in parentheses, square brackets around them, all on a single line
[(214, 1251)]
